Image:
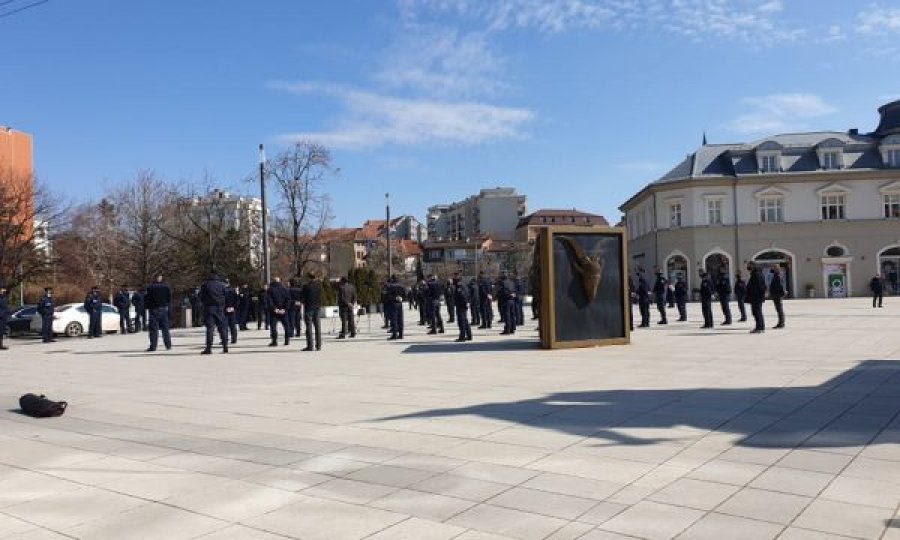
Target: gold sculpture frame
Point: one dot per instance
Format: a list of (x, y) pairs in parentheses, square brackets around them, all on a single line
[(548, 295)]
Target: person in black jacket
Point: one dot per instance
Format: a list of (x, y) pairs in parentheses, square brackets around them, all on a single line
[(681, 293), (263, 309), (158, 303), (346, 294), (756, 295), (123, 303), (876, 285), (244, 302), (486, 295), (723, 289), (394, 293), (449, 296), (434, 292), (232, 307), (506, 294), (296, 311), (212, 296), (659, 291), (643, 298), (140, 310), (474, 302), (278, 301), (312, 301), (46, 309), (4, 314), (706, 297), (93, 305), (520, 301), (740, 295), (196, 308), (776, 292), (461, 301)]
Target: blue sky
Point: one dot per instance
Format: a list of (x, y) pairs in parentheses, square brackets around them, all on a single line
[(578, 103)]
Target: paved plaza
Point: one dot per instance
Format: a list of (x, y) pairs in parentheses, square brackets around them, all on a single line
[(684, 434)]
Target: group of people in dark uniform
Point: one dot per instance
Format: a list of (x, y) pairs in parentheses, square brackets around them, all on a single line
[(754, 291)]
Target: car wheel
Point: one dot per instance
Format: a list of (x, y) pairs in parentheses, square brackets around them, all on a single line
[(74, 329)]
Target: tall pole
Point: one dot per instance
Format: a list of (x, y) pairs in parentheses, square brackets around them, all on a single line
[(387, 207), (265, 214)]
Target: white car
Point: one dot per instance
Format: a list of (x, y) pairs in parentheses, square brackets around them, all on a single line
[(72, 320)]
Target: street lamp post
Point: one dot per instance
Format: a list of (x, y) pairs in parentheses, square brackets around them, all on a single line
[(387, 207), (265, 217)]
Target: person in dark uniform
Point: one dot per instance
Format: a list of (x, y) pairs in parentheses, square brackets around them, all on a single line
[(158, 302), (232, 307), (756, 295), (244, 301), (263, 309), (46, 308), (776, 292), (680, 293), (296, 310), (394, 297), (196, 308), (388, 306), (723, 289), (501, 302), (740, 295), (876, 285), (461, 302), (506, 294), (278, 301), (4, 314), (93, 304), (140, 311), (123, 304), (643, 297), (520, 301), (346, 294), (486, 295), (659, 292), (706, 298), (433, 306), (474, 302), (312, 301), (421, 292), (212, 296), (449, 295)]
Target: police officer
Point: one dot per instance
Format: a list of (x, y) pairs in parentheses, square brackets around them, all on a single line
[(421, 292), (680, 293), (123, 304), (449, 296), (140, 312), (296, 310), (278, 301), (93, 304), (388, 306), (346, 303), (461, 301), (46, 308), (740, 295), (263, 309), (244, 301), (196, 308), (486, 295), (4, 314), (158, 302), (659, 293), (876, 285), (232, 305), (394, 293), (756, 295), (312, 301), (506, 295), (723, 289), (643, 298), (474, 302), (434, 293), (212, 295), (706, 298), (776, 292)]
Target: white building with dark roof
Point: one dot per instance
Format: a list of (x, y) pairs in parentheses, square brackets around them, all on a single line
[(825, 206)]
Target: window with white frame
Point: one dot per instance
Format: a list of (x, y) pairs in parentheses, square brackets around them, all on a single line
[(769, 163), (833, 206), (714, 211), (675, 215), (831, 160), (892, 157), (892, 205), (771, 209)]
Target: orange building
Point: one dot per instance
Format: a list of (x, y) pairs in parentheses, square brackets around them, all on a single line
[(17, 172)]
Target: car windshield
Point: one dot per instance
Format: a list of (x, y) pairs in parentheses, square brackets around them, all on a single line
[(25, 312)]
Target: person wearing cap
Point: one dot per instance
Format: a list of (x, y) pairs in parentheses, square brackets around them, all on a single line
[(4, 314), (123, 304), (46, 308), (93, 304)]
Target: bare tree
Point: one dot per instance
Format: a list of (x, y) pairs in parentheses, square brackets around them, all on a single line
[(304, 210)]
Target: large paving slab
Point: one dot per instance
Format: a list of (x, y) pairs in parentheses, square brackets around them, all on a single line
[(685, 433)]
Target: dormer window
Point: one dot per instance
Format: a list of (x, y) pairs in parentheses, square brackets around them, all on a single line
[(769, 164), (831, 160), (890, 151), (830, 153), (768, 157)]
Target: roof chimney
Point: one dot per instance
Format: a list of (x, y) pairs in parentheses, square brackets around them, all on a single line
[(890, 119)]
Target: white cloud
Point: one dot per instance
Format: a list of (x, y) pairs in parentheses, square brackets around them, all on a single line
[(879, 21), (371, 120), (749, 21), (780, 112)]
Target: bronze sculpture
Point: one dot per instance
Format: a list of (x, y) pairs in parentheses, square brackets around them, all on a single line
[(588, 268)]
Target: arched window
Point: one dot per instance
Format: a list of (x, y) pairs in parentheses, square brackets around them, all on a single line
[(835, 251)]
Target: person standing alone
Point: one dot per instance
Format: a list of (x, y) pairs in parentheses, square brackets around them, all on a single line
[(877, 288), (740, 294), (723, 289), (756, 295), (776, 292), (312, 301), (158, 302), (212, 295), (278, 302), (680, 292)]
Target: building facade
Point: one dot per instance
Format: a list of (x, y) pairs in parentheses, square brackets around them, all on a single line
[(17, 172), (227, 211), (493, 212), (529, 226), (824, 206)]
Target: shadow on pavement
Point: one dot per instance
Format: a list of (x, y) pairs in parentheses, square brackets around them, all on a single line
[(850, 409), (472, 346)]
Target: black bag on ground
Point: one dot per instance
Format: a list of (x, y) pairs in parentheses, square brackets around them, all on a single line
[(40, 406)]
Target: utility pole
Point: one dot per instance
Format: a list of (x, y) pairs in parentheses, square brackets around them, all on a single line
[(265, 215), (387, 207)]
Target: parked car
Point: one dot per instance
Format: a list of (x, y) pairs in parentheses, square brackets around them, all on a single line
[(20, 320), (72, 320)]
